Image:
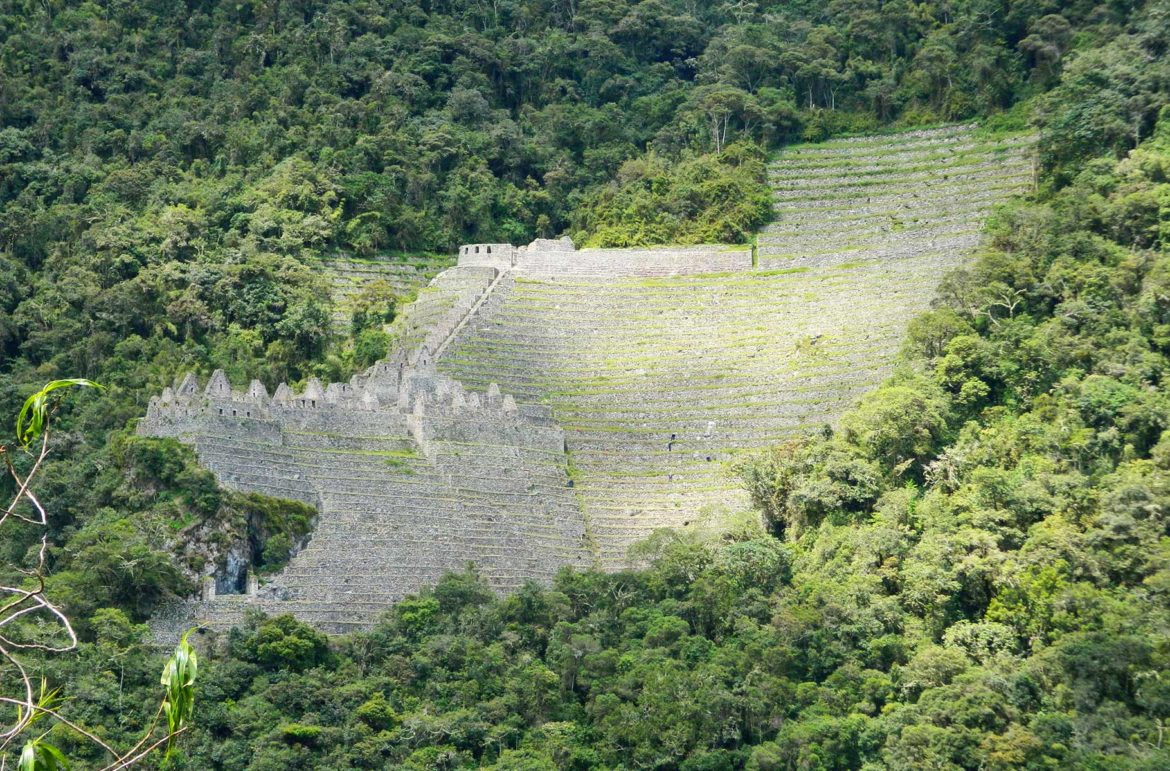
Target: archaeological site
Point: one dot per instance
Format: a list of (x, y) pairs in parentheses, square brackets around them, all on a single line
[(549, 406)]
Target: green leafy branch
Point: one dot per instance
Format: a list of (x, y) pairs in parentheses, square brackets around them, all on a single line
[(34, 415)]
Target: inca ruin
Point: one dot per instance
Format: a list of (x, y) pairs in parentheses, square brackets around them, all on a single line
[(549, 406)]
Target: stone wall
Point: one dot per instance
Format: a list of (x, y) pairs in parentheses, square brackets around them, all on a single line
[(672, 261), (501, 256), (441, 307), (557, 257), (412, 475)]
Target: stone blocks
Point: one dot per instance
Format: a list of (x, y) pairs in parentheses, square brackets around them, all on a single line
[(427, 479)]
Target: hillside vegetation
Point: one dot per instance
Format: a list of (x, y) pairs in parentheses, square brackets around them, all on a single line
[(970, 573)]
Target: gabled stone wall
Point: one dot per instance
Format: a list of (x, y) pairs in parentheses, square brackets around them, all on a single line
[(412, 475)]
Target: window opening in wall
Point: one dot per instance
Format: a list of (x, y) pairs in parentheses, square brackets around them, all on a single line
[(248, 414), (233, 413), (221, 410), (489, 250), (477, 250), (314, 402)]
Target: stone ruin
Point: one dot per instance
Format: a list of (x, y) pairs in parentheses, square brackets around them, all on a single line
[(559, 257), (411, 474), (628, 376)]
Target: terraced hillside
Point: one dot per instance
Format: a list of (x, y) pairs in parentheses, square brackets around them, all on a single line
[(348, 276), (922, 194), (394, 523), (658, 381), (626, 380)]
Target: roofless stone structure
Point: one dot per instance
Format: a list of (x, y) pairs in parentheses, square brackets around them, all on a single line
[(412, 476), (549, 406)]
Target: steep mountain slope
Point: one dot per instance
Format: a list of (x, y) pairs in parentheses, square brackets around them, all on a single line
[(659, 380), (585, 398)]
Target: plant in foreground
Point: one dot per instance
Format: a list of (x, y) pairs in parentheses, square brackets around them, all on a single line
[(27, 601)]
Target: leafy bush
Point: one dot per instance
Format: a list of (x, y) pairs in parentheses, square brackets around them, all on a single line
[(283, 642), (715, 198)]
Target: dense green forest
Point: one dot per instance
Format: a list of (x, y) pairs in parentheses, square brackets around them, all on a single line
[(972, 571)]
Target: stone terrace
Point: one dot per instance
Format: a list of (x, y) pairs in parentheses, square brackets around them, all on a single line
[(658, 381), (412, 477), (660, 371), (631, 378), (348, 275), (916, 194)]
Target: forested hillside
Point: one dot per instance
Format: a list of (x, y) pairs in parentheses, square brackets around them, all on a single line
[(169, 171), (970, 572)]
